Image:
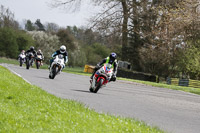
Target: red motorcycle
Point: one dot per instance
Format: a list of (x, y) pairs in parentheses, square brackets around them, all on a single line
[(101, 77)]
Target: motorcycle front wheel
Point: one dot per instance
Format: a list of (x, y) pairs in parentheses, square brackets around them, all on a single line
[(53, 72), (98, 85), (38, 64), (20, 62), (27, 63)]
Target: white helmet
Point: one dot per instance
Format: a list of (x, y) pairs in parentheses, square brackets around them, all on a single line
[(62, 49)]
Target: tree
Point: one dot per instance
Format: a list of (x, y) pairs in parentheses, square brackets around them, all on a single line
[(29, 26), (40, 26), (67, 39), (48, 43), (7, 18), (52, 27), (113, 17), (8, 43)]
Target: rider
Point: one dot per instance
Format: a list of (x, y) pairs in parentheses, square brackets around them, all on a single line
[(62, 51), (39, 52), (111, 60), (22, 54), (31, 50)]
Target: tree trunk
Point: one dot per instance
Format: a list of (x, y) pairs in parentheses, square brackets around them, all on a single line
[(124, 29)]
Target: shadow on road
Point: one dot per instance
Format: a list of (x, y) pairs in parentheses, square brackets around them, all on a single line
[(82, 91)]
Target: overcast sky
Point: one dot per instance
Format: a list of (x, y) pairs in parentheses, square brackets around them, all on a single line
[(39, 9)]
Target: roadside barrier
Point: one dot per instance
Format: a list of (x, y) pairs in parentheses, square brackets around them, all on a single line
[(89, 68), (184, 82)]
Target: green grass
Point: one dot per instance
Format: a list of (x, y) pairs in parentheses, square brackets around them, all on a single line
[(9, 61), (25, 108), (162, 85)]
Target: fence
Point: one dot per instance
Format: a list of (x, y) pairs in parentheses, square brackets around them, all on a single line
[(184, 82)]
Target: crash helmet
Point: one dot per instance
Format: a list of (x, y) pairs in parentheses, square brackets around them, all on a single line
[(32, 48), (23, 51), (39, 51), (112, 56), (62, 49)]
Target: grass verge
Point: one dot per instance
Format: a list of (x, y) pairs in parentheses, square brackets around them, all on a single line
[(27, 108), (162, 85)]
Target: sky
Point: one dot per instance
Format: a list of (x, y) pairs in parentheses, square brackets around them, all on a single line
[(39, 9)]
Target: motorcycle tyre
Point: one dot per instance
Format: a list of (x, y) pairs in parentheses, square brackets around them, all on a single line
[(37, 64), (53, 72), (27, 64), (98, 86), (20, 62)]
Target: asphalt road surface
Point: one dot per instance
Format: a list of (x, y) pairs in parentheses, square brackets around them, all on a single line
[(171, 110)]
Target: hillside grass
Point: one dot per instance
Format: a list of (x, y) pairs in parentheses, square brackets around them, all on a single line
[(25, 108), (79, 70)]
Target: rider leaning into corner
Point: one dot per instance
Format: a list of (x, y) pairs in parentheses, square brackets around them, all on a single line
[(62, 51), (112, 59)]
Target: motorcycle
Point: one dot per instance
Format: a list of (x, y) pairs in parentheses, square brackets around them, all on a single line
[(38, 61), (57, 66), (21, 59), (101, 77), (29, 60)]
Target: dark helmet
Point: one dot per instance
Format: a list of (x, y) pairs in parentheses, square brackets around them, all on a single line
[(32, 48), (112, 56)]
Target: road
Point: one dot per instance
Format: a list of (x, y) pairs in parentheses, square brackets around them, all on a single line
[(171, 110)]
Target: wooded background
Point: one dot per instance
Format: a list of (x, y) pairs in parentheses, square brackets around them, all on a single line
[(160, 37)]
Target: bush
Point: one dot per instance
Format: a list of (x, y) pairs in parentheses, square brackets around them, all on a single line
[(135, 75)]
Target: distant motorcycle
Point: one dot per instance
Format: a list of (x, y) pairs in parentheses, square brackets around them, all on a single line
[(57, 66), (22, 59), (29, 60), (101, 77), (38, 61)]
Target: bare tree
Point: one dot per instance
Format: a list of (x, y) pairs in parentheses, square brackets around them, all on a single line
[(7, 18), (112, 18)]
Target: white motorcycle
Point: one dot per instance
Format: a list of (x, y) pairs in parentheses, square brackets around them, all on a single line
[(22, 59), (57, 66)]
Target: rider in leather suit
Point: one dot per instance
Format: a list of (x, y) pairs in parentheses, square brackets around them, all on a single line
[(110, 59)]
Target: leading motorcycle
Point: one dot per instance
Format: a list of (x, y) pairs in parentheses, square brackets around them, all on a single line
[(101, 77), (57, 66)]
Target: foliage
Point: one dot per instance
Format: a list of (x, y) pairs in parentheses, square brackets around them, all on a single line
[(66, 39), (48, 43), (7, 18), (29, 26), (8, 43), (39, 25), (77, 58)]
